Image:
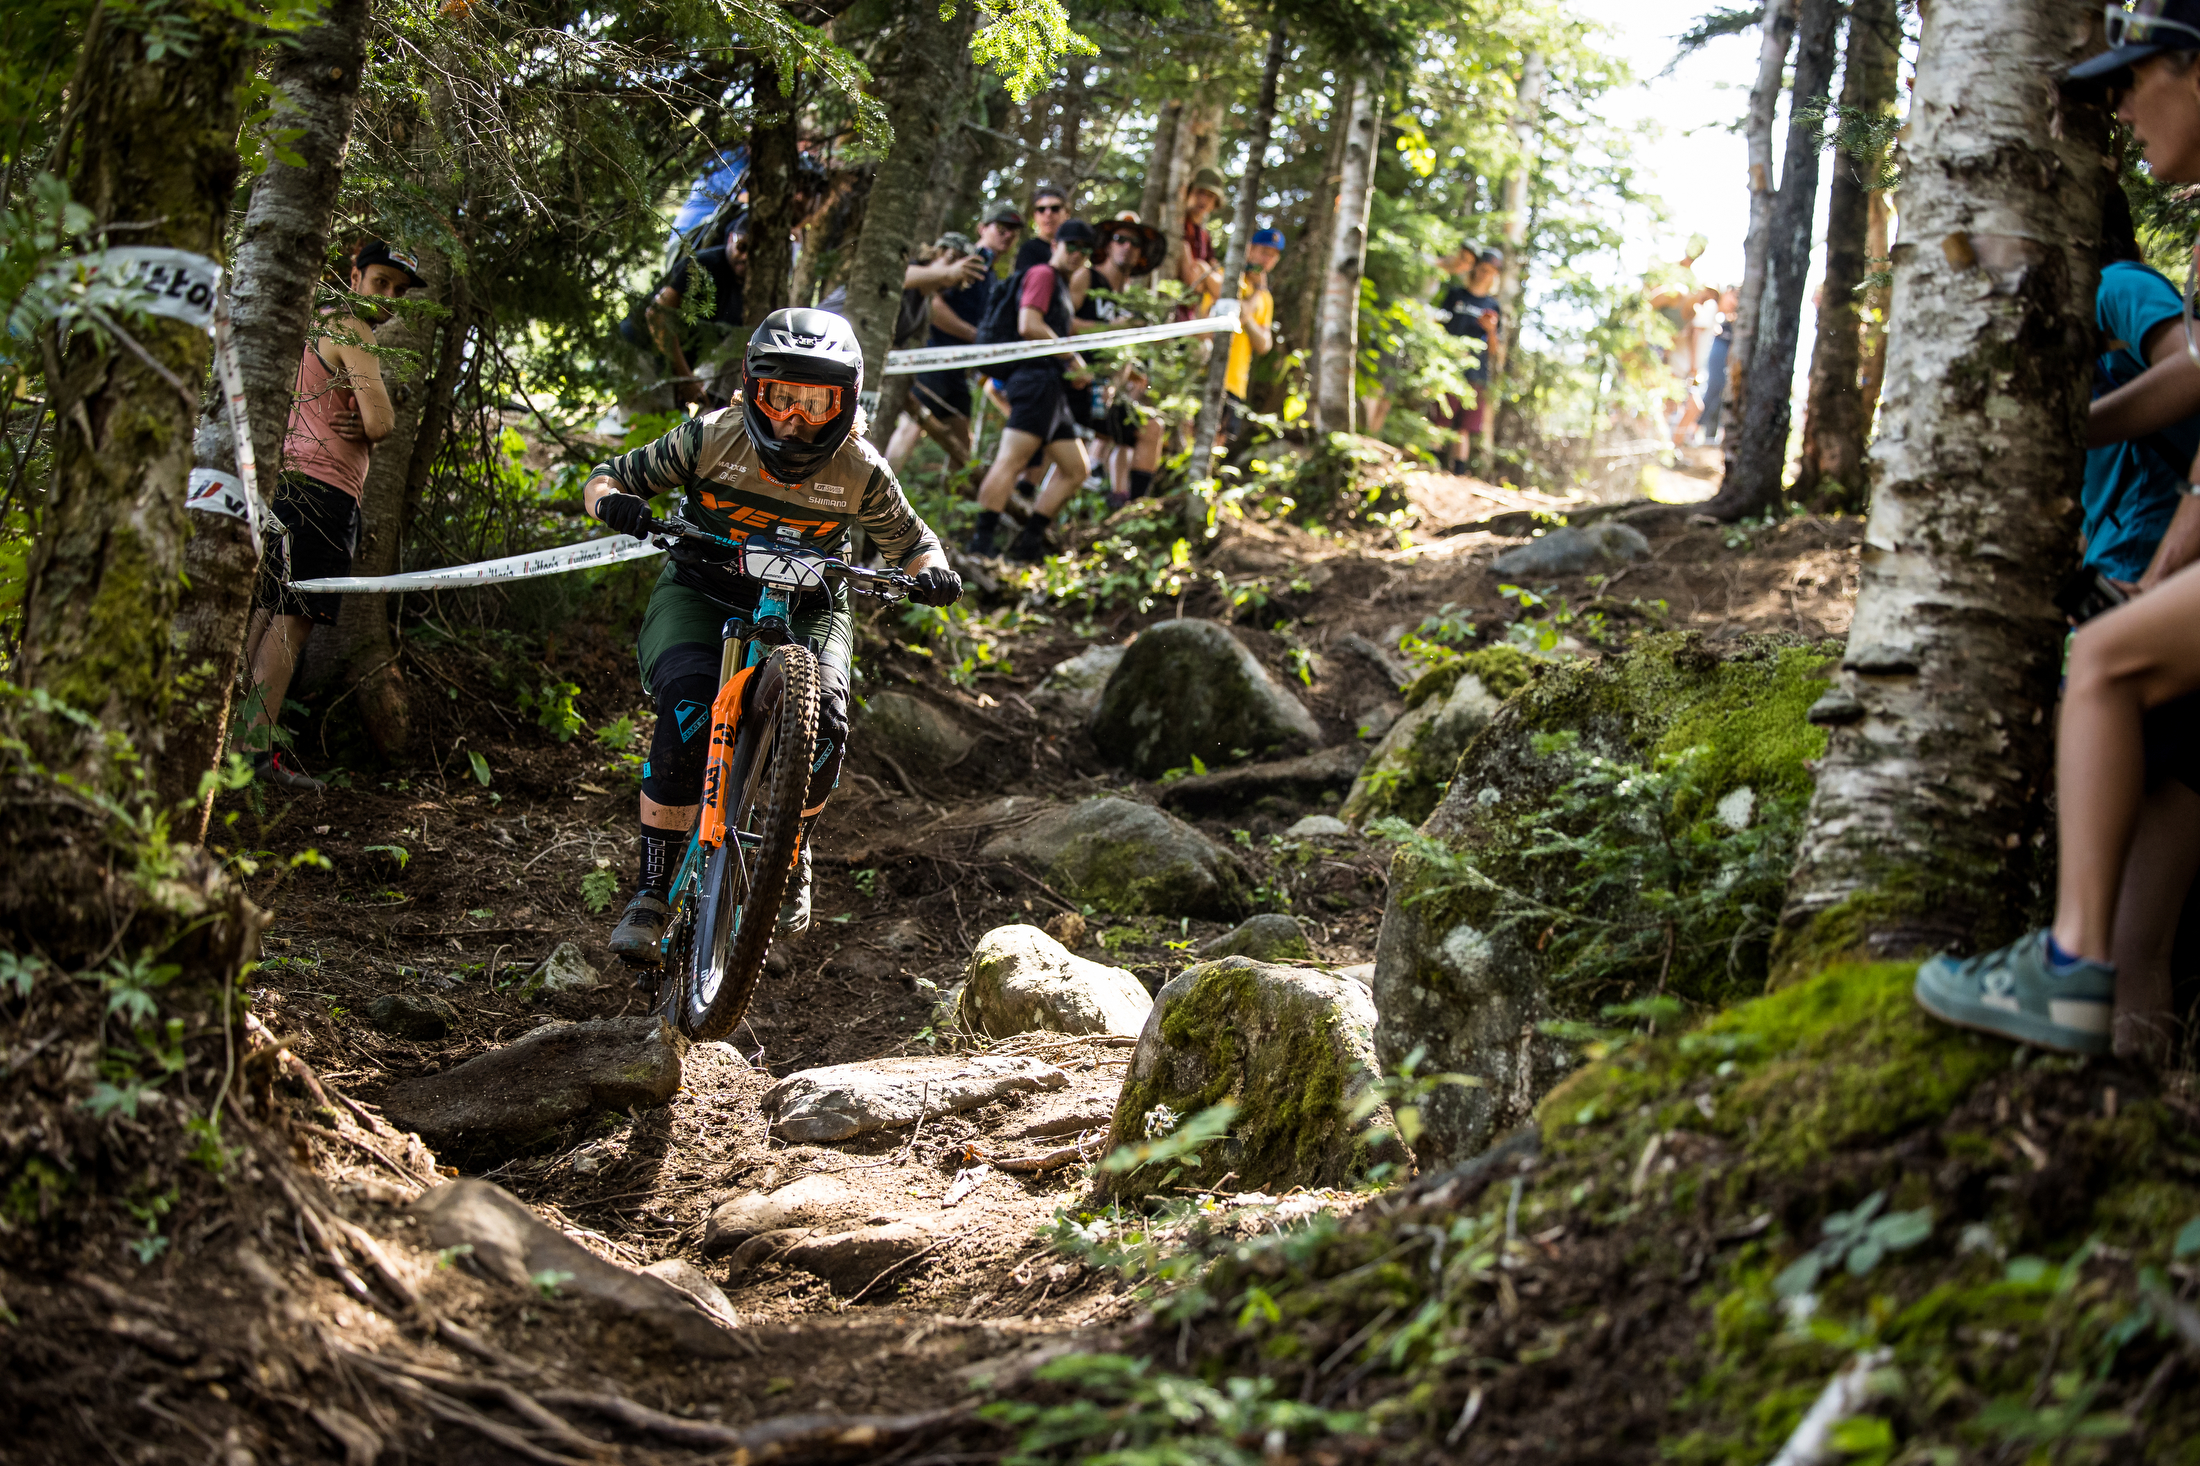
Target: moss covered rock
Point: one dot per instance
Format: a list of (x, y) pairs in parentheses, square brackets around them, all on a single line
[(1610, 1287), (1127, 858), (1189, 689), (1622, 827), (1291, 1048), (913, 732), (1270, 937), (1445, 707)]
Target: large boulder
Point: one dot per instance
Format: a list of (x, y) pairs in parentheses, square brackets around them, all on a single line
[(1069, 694), (1570, 550), (1290, 1047), (1272, 936), (820, 1106), (1125, 857), (913, 732), (499, 1237), (1445, 707), (1485, 940), (513, 1097), (1021, 980), (1189, 689)]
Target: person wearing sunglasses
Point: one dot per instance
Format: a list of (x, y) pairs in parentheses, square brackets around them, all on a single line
[(1049, 212), (2097, 979), (1128, 249), (790, 464), (1039, 419)]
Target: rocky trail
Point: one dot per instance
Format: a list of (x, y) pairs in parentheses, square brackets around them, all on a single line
[(844, 1210)]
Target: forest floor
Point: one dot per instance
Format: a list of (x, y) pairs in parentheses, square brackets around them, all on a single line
[(491, 880)]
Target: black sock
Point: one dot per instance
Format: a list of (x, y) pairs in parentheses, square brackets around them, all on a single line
[(989, 520), (1141, 482), (657, 859), (1035, 525)]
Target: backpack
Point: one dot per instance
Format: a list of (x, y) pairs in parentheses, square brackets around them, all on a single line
[(999, 327)]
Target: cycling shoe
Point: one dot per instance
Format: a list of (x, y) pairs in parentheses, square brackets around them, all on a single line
[(639, 936)]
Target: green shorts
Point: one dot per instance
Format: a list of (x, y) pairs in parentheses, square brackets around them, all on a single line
[(681, 615)]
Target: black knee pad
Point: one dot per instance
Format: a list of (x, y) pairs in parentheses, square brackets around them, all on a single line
[(681, 745)]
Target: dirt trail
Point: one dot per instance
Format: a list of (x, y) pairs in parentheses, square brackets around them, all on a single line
[(491, 879)]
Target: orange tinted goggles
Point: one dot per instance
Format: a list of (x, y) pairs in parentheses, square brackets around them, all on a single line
[(814, 404)]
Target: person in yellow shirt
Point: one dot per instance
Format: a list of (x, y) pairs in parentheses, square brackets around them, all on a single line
[(1257, 311)]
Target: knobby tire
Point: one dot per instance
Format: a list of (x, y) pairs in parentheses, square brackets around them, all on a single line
[(716, 965)]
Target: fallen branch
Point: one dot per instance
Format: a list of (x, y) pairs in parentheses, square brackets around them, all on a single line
[(783, 1438), (1844, 1395), (892, 1267), (1052, 1160)]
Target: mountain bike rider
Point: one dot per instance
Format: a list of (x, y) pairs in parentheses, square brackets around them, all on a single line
[(788, 462)]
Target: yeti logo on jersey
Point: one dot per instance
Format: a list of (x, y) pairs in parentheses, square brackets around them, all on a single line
[(690, 718)]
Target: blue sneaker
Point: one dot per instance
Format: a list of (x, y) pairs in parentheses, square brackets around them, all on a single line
[(2015, 993)]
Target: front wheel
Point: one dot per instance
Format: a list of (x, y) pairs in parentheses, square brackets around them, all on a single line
[(745, 879)]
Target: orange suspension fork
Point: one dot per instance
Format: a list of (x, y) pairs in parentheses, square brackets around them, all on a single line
[(725, 721)]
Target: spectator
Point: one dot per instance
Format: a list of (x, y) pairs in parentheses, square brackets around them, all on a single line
[(341, 410), (1049, 211), (1675, 294), (1469, 309), (1257, 313), (952, 270), (716, 378), (1039, 416), (2126, 822), (1128, 250), (1196, 270), (1714, 374)]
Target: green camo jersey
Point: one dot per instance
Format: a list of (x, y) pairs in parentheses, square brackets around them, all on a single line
[(710, 462)]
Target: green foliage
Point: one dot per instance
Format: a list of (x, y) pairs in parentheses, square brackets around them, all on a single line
[(1127, 1412), (1024, 40), (398, 853), (599, 889), (480, 767), (20, 973), (549, 1281), (1172, 1141), (1855, 1239), (551, 704)]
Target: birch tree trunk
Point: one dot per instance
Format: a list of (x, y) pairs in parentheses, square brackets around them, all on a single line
[(773, 212), (1939, 751), (1831, 477), (1527, 126), (1757, 465), (1871, 365), (1209, 420), (1321, 237), (1340, 331), (920, 105), (1777, 38), (281, 257)]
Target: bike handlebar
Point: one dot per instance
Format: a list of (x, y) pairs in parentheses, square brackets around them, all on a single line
[(884, 584)]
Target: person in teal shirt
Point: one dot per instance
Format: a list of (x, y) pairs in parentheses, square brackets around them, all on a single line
[(2132, 487)]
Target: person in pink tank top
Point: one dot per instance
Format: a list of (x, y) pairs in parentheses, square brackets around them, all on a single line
[(340, 411)]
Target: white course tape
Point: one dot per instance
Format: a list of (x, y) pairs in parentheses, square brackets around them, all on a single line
[(609, 550), (164, 282), (947, 358), (241, 496)]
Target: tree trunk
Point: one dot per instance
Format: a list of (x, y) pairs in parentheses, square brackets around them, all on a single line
[(155, 147), (1830, 477), (1778, 35), (362, 646), (1196, 145), (282, 254), (773, 153), (1153, 198), (1871, 366), (1209, 420), (1321, 238), (1527, 125), (1758, 463), (1933, 780), (1340, 333), (919, 105)]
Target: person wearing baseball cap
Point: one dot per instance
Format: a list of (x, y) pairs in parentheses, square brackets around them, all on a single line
[(1196, 268), (2127, 797), (1257, 314), (340, 410)]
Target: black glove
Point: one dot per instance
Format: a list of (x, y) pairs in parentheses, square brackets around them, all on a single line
[(626, 513), (938, 586)]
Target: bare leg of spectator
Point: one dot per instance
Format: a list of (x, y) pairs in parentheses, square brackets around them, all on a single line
[(275, 652)]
